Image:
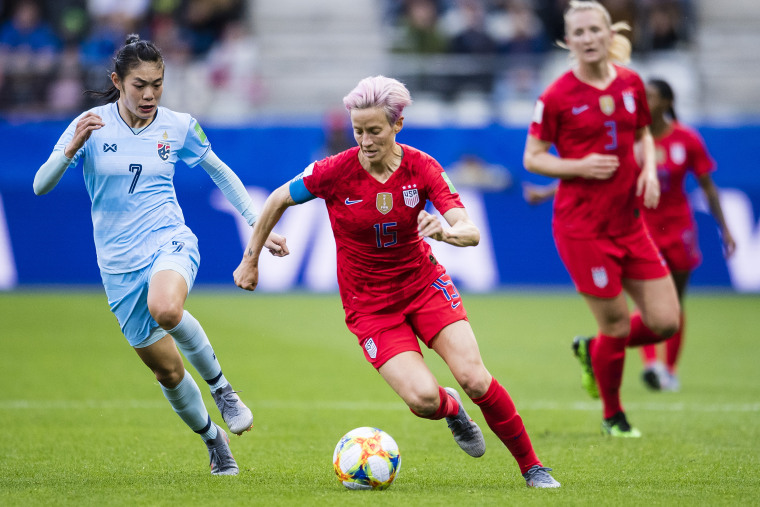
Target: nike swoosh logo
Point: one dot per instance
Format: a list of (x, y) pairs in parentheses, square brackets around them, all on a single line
[(579, 110), (350, 202)]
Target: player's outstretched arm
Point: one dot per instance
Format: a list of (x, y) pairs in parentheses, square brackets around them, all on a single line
[(247, 273)]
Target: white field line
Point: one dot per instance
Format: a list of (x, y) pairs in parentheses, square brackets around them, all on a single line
[(588, 406)]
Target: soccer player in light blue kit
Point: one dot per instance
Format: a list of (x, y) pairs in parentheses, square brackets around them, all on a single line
[(148, 257)]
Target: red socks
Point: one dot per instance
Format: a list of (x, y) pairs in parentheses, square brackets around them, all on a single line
[(448, 407), (502, 417), (640, 334), (649, 352), (607, 360), (673, 349)]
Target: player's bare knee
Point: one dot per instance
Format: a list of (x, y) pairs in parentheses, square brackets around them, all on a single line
[(423, 404), (666, 328), (169, 377), (475, 383), (168, 315)]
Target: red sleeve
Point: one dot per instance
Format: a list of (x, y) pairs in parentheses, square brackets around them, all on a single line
[(319, 176), (544, 122), (441, 191), (643, 117), (701, 161)]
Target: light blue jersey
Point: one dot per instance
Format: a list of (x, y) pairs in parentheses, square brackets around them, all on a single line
[(129, 178)]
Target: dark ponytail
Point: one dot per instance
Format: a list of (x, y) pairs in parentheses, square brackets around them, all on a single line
[(666, 92), (134, 52)]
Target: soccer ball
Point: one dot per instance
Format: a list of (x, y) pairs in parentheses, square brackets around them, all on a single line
[(366, 458)]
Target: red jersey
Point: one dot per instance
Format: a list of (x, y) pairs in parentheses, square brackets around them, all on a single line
[(579, 119), (679, 151), (381, 259)]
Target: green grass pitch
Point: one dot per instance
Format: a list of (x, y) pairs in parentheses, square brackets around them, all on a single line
[(84, 422)]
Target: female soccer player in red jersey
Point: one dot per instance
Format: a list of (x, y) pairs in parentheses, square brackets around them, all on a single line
[(593, 115), (392, 287), (679, 150)]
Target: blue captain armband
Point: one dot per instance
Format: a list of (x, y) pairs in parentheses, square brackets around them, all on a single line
[(298, 191)]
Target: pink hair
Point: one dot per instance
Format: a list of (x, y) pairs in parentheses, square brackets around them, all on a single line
[(386, 93)]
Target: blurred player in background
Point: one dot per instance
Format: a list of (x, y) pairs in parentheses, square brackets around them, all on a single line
[(679, 150), (593, 115), (148, 257), (392, 287)]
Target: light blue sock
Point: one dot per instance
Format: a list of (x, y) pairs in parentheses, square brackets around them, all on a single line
[(194, 344), (186, 400)]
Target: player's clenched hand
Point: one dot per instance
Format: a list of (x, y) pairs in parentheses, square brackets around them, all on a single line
[(85, 126), (429, 226), (596, 166), (246, 275), (276, 245)]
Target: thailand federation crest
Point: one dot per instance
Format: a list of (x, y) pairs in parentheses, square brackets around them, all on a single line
[(607, 104), (629, 102), (164, 148), (599, 275), (411, 195), (384, 202)]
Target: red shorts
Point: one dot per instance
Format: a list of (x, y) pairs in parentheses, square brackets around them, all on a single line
[(385, 334), (680, 249), (598, 265)]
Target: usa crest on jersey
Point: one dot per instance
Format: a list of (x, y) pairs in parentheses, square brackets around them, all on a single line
[(678, 153), (599, 275), (371, 348), (164, 149), (411, 195), (629, 102)]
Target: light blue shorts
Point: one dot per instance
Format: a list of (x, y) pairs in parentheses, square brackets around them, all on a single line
[(128, 292)]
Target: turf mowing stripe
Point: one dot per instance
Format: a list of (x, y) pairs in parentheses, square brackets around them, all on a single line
[(347, 405)]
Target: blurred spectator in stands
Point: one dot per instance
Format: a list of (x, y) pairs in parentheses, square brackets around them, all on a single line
[(469, 35), (64, 95), (233, 67), (471, 171), (551, 13), (665, 26), (28, 50), (111, 20), (517, 28), (207, 19), (418, 33), (522, 39), (418, 30), (168, 34)]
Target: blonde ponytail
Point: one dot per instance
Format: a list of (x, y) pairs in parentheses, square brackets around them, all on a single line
[(620, 48)]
